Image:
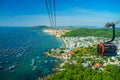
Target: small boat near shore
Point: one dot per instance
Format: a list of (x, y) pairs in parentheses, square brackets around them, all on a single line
[(10, 68)]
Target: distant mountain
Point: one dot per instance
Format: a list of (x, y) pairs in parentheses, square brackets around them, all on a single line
[(74, 27), (39, 27)]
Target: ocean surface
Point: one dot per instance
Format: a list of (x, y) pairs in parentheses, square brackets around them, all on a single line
[(22, 53)]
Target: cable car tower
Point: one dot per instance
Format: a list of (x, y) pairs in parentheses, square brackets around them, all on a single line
[(108, 48)]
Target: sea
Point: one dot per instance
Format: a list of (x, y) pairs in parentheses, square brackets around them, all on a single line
[(22, 53)]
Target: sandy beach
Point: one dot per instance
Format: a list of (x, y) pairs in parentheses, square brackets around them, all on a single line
[(56, 32)]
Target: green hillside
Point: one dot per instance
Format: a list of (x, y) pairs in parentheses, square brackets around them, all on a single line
[(103, 32), (78, 72)]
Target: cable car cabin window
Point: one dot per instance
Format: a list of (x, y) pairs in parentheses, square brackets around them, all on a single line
[(99, 49), (110, 49)]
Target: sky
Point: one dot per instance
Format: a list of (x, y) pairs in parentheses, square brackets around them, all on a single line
[(69, 12)]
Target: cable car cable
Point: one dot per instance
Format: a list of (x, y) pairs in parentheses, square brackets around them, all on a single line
[(51, 13), (55, 14), (48, 12)]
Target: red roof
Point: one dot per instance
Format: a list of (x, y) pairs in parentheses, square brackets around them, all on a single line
[(96, 65), (66, 53)]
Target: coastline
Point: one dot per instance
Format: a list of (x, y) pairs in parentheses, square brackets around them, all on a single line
[(56, 32)]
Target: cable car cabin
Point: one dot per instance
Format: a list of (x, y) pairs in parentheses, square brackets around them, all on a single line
[(107, 49)]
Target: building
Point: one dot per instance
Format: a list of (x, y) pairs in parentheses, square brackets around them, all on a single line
[(66, 55)]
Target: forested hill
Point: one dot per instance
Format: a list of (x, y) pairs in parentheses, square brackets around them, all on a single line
[(39, 27), (103, 32)]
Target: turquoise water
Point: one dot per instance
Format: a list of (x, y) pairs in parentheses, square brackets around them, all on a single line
[(21, 53)]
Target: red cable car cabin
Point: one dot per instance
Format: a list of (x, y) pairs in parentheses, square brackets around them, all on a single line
[(107, 49)]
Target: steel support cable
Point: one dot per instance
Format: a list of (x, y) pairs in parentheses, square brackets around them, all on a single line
[(48, 12), (51, 13), (55, 14), (116, 22)]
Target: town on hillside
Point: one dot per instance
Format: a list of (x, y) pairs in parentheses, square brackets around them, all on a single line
[(82, 51)]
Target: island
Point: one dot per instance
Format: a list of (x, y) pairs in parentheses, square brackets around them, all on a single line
[(39, 27), (79, 59)]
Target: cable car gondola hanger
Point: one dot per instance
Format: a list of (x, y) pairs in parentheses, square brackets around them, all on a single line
[(108, 48)]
